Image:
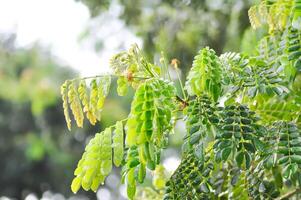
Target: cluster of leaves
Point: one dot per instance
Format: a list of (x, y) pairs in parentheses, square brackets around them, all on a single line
[(148, 126), (205, 74), (192, 179), (96, 163), (138, 140), (251, 76), (239, 136), (284, 22), (241, 141), (84, 100), (201, 116)]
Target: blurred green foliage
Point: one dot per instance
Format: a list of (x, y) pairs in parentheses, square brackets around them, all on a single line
[(36, 153), (30, 75), (179, 27)]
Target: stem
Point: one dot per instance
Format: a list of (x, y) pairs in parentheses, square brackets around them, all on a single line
[(150, 71), (143, 62), (99, 76), (120, 121), (179, 118), (165, 65), (182, 88), (164, 69), (289, 194)]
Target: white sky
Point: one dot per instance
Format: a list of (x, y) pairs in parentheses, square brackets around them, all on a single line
[(57, 24)]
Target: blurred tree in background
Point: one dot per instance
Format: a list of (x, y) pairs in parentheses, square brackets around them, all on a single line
[(178, 27), (31, 123), (36, 153)]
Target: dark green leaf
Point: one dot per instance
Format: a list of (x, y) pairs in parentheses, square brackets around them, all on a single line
[(248, 159), (225, 153), (259, 145), (194, 138), (239, 158)]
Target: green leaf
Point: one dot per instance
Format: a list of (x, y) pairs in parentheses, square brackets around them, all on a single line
[(205, 75), (131, 191), (283, 160), (296, 159), (239, 158), (248, 159), (194, 129), (249, 147), (287, 171), (141, 173), (122, 86), (199, 151), (194, 138), (95, 184), (269, 162), (278, 177), (296, 150), (131, 177), (225, 153), (133, 163), (262, 187), (75, 185), (151, 165), (259, 145), (205, 188), (118, 144)]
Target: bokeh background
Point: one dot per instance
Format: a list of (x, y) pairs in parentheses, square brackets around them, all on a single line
[(44, 42)]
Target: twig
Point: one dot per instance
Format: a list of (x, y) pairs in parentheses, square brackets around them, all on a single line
[(104, 75), (289, 194)]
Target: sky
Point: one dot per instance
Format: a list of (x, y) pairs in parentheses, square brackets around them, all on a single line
[(57, 24)]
